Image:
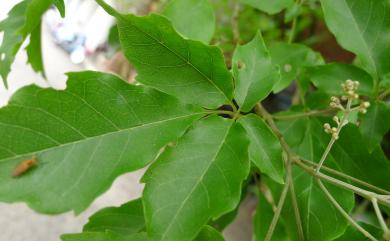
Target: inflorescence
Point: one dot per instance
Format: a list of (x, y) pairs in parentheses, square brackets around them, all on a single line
[(349, 88)]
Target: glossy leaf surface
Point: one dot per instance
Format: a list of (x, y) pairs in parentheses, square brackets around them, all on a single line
[(83, 138), (264, 149), (198, 179), (190, 70), (362, 27), (254, 73)]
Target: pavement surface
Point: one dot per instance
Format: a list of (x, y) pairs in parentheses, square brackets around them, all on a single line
[(17, 221)]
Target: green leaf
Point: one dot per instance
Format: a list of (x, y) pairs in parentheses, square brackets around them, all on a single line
[(254, 73), (209, 234), (353, 158), (126, 219), (104, 236), (262, 220), (269, 6), (362, 27), (83, 137), (329, 77), (190, 70), (320, 219), (60, 6), (375, 123), (349, 154), (23, 18), (195, 19), (197, 180), (264, 149), (34, 51), (353, 234), (292, 58)]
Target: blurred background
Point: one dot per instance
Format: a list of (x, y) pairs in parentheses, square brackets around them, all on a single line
[(84, 39)]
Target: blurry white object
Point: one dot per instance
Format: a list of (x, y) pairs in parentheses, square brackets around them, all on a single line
[(84, 28)]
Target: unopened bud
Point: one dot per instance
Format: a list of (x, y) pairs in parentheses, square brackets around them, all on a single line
[(366, 104)]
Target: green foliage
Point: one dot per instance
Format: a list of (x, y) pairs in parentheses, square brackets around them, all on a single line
[(126, 219), (92, 129), (197, 180), (196, 119), (376, 123), (292, 58), (254, 73), (264, 150), (24, 19), (329, 77), (269, 6), (174, 64), (197, 22), (362, 27)]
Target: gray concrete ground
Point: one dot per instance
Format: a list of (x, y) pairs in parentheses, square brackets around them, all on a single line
[(17, 221)]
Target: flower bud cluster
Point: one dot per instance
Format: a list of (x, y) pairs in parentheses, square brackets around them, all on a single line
[(331, 130), (349, 87), (363, 107)]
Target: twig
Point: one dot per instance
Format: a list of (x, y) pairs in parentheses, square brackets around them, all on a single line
[(361, 192), (294, 25), (384, 94), (348, 177), (335, 136), (260, 110), (344, 213), (378, 213), (297, 214), (306, 114), (279, 208)]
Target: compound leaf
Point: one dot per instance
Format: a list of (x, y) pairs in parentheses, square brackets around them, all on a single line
[(83, 138), (197, 180)]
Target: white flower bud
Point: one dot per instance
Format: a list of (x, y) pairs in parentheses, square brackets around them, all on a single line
[(366, 104)]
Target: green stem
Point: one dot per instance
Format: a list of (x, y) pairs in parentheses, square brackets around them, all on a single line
[(305, 114), (294, 25), (297, 214), (293, 29), (384, 94), (261, 111), (378, 213), (361, 192), (344, 213), (334, 138), (345, 176), (221, 112), (278, 210)]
